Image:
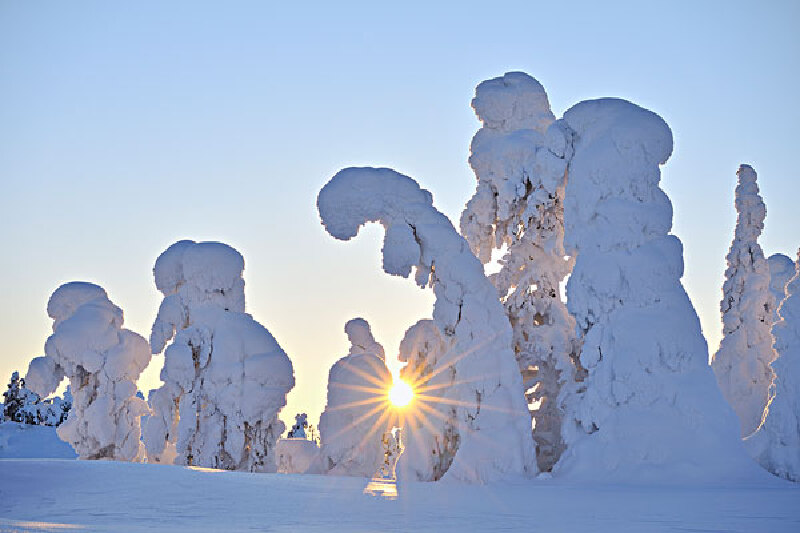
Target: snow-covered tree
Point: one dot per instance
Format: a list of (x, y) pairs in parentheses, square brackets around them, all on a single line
[(519, 157), (742, 362), (356, 415), (483, 388), (781, 270), (776, 443), (298, 430), (20, 404), (102, 361), (225, 377), (649, 407)]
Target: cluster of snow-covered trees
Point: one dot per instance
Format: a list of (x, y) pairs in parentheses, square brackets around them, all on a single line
[(20, 404), (582, 356)]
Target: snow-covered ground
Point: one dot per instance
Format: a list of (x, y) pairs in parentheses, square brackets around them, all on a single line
[(23, 441), (57, 495)]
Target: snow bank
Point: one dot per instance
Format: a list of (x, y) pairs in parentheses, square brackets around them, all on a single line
[(781, 270), (356, 415), (484, 389), (649, 407), (25, 441), (297, 456), (742, 362), (776, 443), (102, 361), (520, 164), (225, 377)]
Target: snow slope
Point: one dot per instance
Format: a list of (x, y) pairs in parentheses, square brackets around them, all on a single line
[(111, 496), (20, 441)]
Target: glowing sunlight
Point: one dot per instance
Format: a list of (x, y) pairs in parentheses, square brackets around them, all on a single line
[(401, 394)]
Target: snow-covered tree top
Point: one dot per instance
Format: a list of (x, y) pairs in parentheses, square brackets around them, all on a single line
[(749, 206), (781, 270), (616, 135), (194, 275), (68, 298), (361, 339), (511, 102)]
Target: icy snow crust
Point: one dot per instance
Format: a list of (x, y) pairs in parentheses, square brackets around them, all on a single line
[(649, 408), (781, 270), (356, 416), (483, 400), (776, 443), (102, 361), (742, 362), (519, 157), (225, 377)]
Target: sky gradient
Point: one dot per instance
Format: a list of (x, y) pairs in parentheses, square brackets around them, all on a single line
[(126, 128)]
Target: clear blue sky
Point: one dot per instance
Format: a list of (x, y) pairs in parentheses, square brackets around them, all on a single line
[(124, 128)]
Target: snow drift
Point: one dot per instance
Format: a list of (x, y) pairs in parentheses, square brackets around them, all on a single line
[(225, 377), (484, 390)]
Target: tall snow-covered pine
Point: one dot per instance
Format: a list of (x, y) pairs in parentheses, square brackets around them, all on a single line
[(742, 362)]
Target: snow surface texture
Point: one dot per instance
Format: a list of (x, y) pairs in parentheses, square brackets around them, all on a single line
[(59, 496), (483, 397), (776, 443), (742, 362), (356, 415), (781, 270), (24, 441), (102, 361), (297, 456), (225, 377), (649, 407), (520, 157)]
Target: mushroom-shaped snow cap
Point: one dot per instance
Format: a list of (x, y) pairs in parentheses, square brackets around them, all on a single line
[(212, 266), (513, 101), (633, 130), (70, 296), (168, 270)]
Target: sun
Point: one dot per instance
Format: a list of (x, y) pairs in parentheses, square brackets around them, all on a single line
[(401, 394)]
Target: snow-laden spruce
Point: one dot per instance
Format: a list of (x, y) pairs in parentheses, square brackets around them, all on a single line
[(649, 407), (490, 419), (356, 415), (225, 377), (519, 157), (781, 270), (742, 362), (102, 361), (776, 443)]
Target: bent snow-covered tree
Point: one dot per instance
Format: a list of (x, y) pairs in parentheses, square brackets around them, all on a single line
[(649, 407), (102, 361), (483, 393), (356, 415), (519, 157), (225, 377), (781, 270), (776, 443), (742, 362)]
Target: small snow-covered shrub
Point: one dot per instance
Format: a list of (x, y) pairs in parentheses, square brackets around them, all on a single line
[(742, 362), (225, 377), (102, 361)]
